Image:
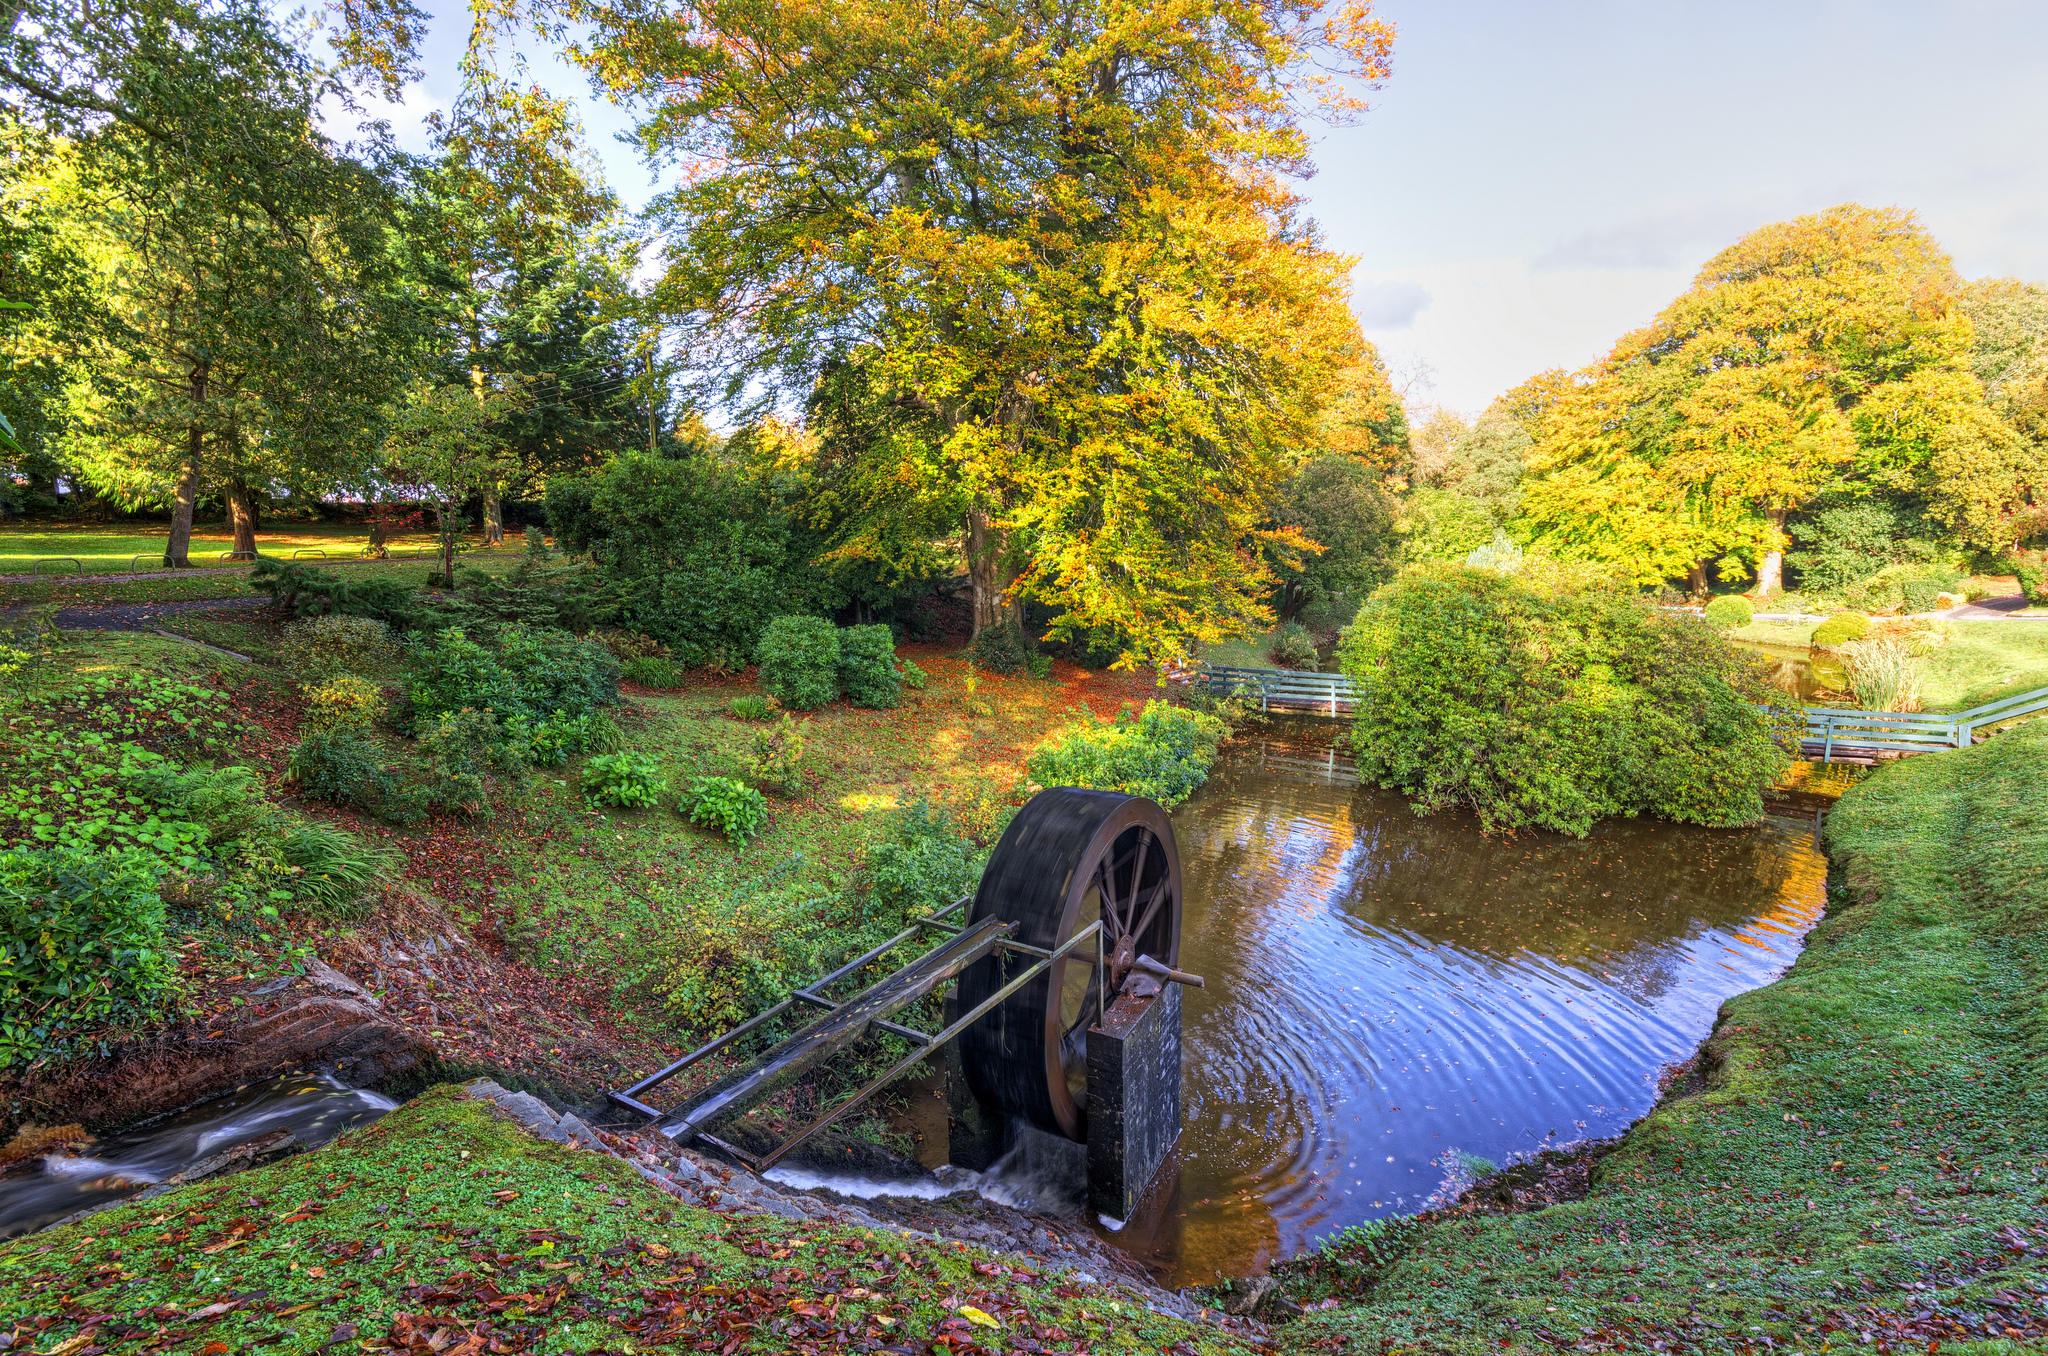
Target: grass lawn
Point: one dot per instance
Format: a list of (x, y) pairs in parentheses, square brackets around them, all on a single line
[(1776, 633), (170, 586), (112, 550), (1867, 1156), (1983, 661), (485, 1238)]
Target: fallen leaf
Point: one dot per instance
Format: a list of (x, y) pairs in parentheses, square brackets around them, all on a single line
[(977, 1317)]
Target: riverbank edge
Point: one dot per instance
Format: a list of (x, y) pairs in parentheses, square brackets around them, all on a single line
[(1860, 1153)]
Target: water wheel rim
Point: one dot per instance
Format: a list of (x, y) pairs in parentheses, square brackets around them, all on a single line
[(1068, 852)]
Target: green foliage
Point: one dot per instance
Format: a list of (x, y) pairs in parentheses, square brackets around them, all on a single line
[(337, 869), (799, 661), (1912, 586), (914, 677), (1728, 612), (731, 807), (1295, 648), (703, 555), (2032, 572), (1441, 525), (625, 781), (749, 706), (541, 684), (720, 966), (343, 702), (1847, 542), (312, 591), (82, 947), (1162, 752), (1840, 629), (343, 768), (1336, 502), (325, 647), (1554, 703), (998, 649), (462, 757), (655, 671), (777, 761), (921, 863), (1500, 555), (867, 667), (226, 802), (1884, 672), (25, 649)]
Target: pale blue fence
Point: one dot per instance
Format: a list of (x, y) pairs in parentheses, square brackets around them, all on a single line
[(1832, 735)]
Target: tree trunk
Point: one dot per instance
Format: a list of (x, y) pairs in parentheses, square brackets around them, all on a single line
[(243, 516), (448, 531), (494, 519), (1699, 579), (1770, 575), (988, 569), (178, 548)]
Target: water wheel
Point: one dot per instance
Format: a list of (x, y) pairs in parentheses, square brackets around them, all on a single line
[(1069, 857)]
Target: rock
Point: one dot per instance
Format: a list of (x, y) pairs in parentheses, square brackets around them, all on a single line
[(573, 1128), (262, 1149), (319, 1018)]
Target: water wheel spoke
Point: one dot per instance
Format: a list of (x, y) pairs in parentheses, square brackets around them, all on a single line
[(1137, 875), (1152, 904)]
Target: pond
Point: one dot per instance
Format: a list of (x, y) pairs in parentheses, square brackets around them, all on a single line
[(1391, 1000)]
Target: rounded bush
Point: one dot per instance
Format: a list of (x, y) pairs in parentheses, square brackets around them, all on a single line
[(799, 660), (867, 667), (343, 702), (999, 649), (1840, 629), (325, 647), (1294, 648), (624, 781), (1730, 611), (732, 807)]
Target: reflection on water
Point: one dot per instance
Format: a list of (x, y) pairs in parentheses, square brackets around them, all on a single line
[(314, 1107), (1815, 677), (1391, 998)]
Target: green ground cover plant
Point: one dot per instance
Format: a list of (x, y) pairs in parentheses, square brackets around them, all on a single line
[(445, 1193), (727, 805), (1862, 1157), (624, 781), (1162, 752), (1556, 702), (82, 948)]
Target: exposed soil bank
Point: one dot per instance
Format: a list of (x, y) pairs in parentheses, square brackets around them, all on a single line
[(1863, 1160)]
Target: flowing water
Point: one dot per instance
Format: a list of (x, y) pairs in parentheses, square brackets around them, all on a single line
[(1392, 999), (314, 1107)]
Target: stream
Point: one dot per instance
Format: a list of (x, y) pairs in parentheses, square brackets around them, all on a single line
[(1395, 1002), (314, 1107)]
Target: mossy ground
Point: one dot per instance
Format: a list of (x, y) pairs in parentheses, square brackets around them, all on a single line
[(445, 1225), (1866, 1163)]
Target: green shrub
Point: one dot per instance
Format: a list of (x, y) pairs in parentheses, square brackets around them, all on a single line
[(82, 947), (1840, 629), (867, 667), (1295, 648), (719, 966), (462, 757), (655, 671), (314, 591), (799, 661), (1039, 665), (343, 768), (320, 648), (914, 677), (1162, 752), (535, 680), (228, 802), (1884, 674), (921, 863), (778, 761), (998, 649), (1911, 586), (561, 736), (628, 645), (337, 868), (2032, 571), (748, 706), (1729, 611), (25, 649), (733, 808), (343, 702), (625, 781), (1555, 701)]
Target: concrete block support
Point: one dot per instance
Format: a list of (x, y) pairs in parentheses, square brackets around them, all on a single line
[(1133, 1099)]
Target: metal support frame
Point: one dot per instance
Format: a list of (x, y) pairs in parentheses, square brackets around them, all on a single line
[(924, 1043)]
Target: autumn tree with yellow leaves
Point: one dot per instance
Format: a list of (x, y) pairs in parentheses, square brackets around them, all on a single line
[(1826, 354), (1059, 244)]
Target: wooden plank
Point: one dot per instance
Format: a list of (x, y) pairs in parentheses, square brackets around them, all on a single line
[(732, 1095)]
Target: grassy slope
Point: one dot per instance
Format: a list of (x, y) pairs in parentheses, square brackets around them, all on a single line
[(1983, 661), (444, 1209), (1869, 1153)]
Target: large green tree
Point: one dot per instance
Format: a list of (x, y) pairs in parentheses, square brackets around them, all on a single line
[(1819, 356), (1991, 483), (1058, 237), (251, 312)]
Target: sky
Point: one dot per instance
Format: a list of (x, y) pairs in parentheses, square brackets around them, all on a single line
[(1538, 177)]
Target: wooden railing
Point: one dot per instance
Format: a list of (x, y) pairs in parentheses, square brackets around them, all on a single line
[(1832, 735)]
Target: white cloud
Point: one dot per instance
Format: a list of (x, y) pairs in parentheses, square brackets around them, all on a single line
[(1388, 306)]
